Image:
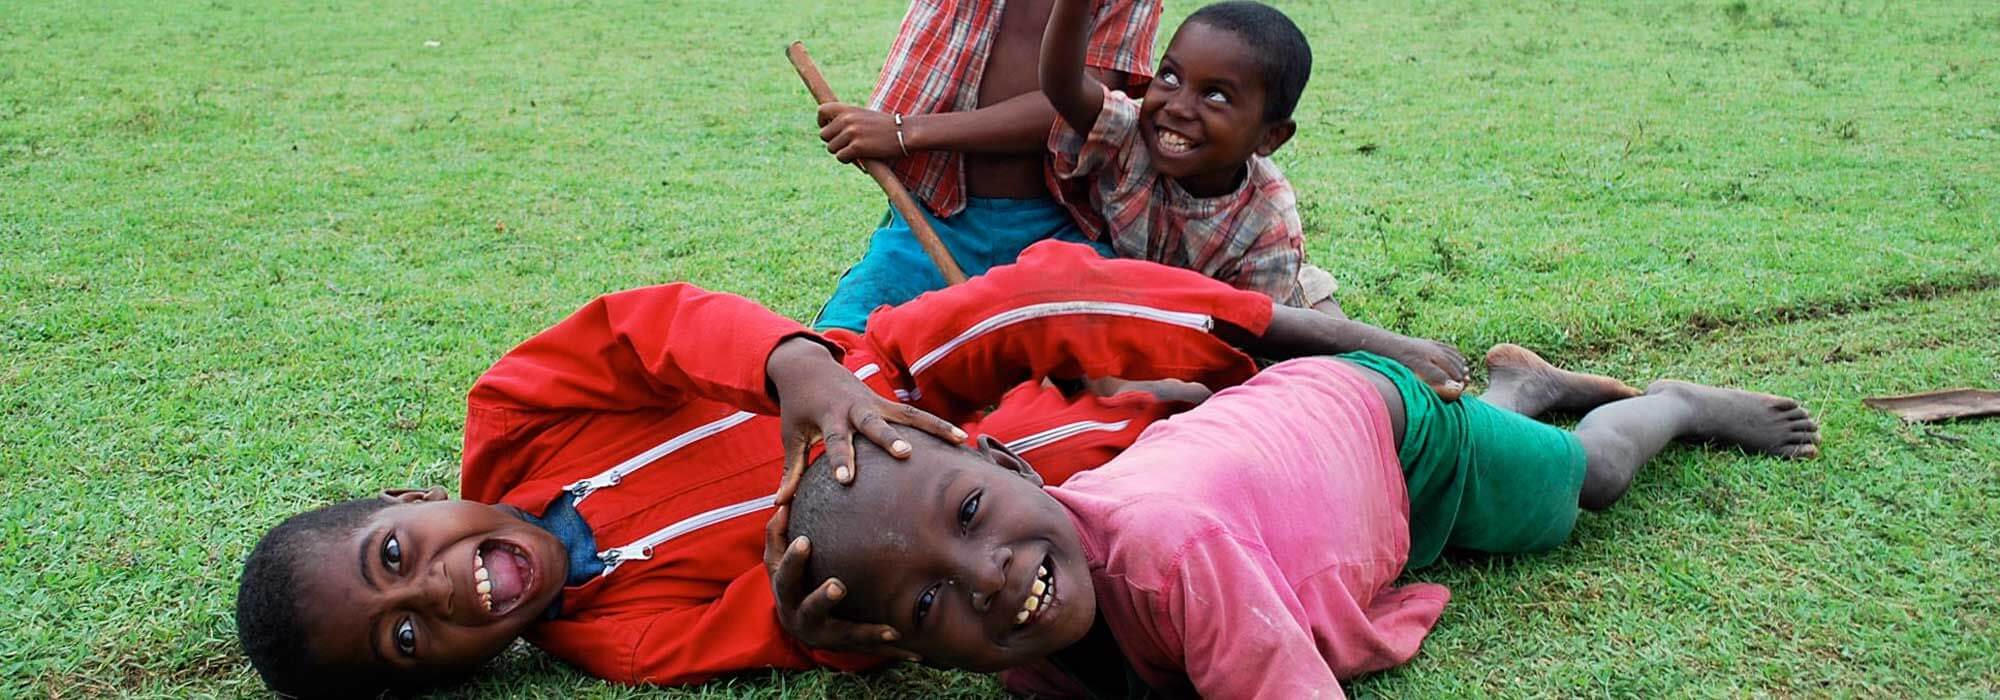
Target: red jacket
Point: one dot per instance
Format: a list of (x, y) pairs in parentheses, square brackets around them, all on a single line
[(652, 405)]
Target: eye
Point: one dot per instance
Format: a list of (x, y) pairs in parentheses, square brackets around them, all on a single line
[(392, 554), (924, 601), (1216, 96), (1170, 79), (968, 510), (406, 638)]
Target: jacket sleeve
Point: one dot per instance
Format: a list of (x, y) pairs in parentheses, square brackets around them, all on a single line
[(653, 347), (1063, 311), (684, 645)]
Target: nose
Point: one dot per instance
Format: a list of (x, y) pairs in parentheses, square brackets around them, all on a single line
[(985, 577), (432, 590), (1180, 106)]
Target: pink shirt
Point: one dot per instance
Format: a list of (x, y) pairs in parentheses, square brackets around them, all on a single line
[(1249, 548)]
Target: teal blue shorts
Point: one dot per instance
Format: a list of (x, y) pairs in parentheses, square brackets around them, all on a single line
[(989, 232)]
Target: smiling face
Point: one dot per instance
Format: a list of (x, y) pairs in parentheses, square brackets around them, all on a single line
[(1204, 113), (962, 553), (429, 587)]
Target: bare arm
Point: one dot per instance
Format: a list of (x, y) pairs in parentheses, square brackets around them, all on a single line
[(1073, 94), (1296, 332), (1018, 124)]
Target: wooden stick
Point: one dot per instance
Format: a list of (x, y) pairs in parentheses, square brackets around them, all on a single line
[(898, 197)]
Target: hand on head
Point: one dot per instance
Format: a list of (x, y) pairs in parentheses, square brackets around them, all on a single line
[(820, 401), (958, 557)]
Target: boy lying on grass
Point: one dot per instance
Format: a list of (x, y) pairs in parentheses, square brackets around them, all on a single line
[(1183, 176), (1248, 548), (618, 466)]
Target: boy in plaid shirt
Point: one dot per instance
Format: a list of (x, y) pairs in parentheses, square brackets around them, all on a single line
[(958, 114), (1182, 177)]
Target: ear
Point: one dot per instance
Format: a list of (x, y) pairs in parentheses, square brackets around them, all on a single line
[(434, 493), (1275, 137), (998, 452)]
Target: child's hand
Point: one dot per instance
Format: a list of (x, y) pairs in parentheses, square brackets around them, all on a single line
[(853, 133), (819, 399), (808, 617), (1438, 364)]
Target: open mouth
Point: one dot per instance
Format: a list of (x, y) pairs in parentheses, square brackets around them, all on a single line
[(1041, 594), (505, 573), (1171, 142)]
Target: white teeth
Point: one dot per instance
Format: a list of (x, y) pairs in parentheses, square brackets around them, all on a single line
[(485, 586), (1037, 588), (1021, 618), (1175, 142), (1041, 571), (480, 573), (1033, 604)]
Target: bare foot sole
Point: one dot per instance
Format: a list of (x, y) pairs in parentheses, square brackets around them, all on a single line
[(1525, 383), (1772, 425)]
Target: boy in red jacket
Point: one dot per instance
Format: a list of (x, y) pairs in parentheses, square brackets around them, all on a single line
[(628, 450)]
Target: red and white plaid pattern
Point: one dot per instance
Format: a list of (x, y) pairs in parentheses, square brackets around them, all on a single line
[(940, 55), (1250, 238)]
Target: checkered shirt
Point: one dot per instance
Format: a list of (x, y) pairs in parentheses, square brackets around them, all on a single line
[(940, 54), (1250, 238)]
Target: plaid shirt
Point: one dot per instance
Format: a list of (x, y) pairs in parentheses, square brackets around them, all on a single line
[(1250, 238), (938, 59)]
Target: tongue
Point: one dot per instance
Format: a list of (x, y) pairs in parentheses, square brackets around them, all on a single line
[(508, 572)]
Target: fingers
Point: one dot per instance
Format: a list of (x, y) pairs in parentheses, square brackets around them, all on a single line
[(850, 154), (774, 539), (878, 431), (840, 454), (790, 572), (795, 467), (841, 142), (923, 420), (816, 613)]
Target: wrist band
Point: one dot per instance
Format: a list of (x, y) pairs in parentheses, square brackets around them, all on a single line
[(899, 136)]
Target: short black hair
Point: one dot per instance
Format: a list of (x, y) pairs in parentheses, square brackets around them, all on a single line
[(1276, 44), (270, 615), (821, 512)]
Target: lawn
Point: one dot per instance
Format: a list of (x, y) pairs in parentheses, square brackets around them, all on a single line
[(253, 253)]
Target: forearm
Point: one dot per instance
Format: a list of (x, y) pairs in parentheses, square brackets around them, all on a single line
[(1071, 93), (801, 362), (1296, 332), (1019, 124)]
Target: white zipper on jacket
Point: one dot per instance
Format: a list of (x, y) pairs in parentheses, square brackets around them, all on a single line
[(642, 549), (997, 321), (1044, 438), (582, 488), (610, 477)]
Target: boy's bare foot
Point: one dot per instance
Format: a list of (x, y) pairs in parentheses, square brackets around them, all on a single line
[(1773, 425), (1525, 383)]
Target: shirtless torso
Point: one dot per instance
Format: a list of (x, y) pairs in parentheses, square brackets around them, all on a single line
[(1010, 72)]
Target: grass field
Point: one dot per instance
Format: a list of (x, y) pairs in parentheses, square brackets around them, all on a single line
[(252, 254)]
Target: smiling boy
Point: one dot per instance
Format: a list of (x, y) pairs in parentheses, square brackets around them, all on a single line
[(1183, 176), (1251, 547)]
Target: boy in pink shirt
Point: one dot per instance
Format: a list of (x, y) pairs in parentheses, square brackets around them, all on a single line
[(1249, 547)]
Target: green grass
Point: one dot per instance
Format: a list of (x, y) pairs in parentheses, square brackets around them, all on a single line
[(251, 255)]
